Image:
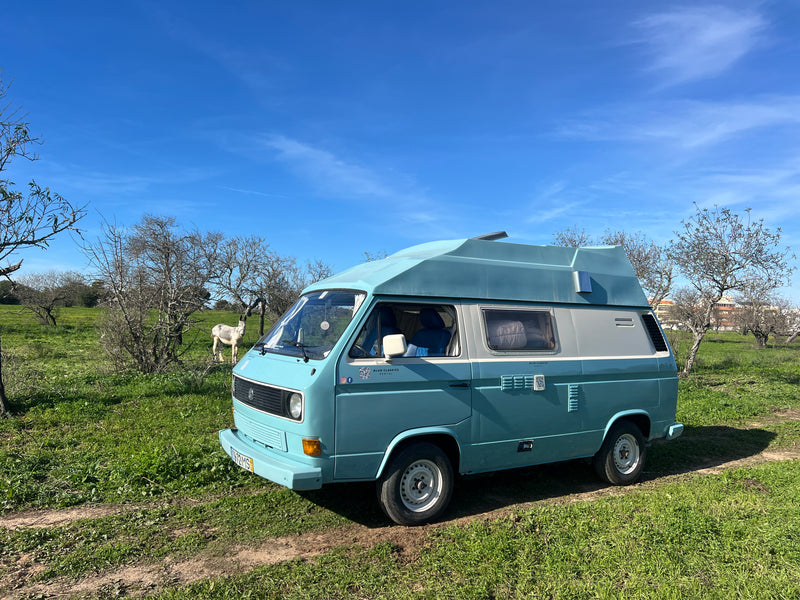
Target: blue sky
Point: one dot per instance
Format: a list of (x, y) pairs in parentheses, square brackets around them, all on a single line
[(335, 128)]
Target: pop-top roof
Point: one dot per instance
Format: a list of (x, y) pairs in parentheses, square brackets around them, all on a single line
[(492, 270)]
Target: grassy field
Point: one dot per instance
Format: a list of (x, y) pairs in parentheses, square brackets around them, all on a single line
[(115, 485)]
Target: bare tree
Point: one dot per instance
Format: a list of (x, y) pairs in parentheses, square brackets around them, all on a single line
[(157, 277), (246, 271), (26, 220), (572, 238), (792, 323), (234, 266), (316, 270), (43, 293), (651, 263), (688, 311), (719, 252), (32, 219), (761, 313), (279, 282)]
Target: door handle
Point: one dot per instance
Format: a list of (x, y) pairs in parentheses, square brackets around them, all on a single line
[(463, 384)]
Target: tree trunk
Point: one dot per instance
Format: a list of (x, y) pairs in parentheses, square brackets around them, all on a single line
[(698, 333), (697, 339), (5, 409), (793, 337), (262, 309)]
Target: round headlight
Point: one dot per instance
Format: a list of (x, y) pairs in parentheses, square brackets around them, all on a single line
[(296, 406)]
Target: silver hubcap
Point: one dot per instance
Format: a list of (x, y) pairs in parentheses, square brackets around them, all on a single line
[(421, 485), (626, 454)]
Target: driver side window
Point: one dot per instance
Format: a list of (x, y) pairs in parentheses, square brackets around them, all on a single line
[(429, 329)]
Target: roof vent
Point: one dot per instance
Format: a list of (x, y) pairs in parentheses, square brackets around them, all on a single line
[(583, 283), (490, 237)]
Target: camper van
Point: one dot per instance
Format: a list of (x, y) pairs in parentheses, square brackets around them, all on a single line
[(456, 357)]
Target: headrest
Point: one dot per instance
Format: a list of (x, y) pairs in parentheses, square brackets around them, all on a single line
[(386, 317), (430, 319)]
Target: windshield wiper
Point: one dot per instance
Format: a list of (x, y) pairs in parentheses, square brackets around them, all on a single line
[(298, 345)]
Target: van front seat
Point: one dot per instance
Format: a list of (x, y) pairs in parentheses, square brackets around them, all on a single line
[(433, 336)]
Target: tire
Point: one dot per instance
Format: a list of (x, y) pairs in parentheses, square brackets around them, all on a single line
[(417, 484), (620, 459)]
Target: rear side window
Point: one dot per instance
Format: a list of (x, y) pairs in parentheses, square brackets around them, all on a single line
[(518, 329)]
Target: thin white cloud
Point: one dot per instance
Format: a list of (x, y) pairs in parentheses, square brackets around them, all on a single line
[(394, 195), (698, 42), (250, 192), (72, 178), (684, 124), (550, 203), (775, 191), (327, 172)]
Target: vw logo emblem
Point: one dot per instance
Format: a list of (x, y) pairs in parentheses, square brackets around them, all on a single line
[(250, 394)]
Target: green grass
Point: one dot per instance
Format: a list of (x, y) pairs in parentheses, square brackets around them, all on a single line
[(87, 434), (148, 444), (732, 535), (733, 382)]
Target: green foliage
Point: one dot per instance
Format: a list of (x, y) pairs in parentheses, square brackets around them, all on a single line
[(7, 295)]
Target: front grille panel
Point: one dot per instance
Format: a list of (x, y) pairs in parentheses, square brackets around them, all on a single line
[(261, 397), (269, 436)]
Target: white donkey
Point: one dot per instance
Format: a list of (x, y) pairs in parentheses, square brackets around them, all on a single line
[(231, 336)]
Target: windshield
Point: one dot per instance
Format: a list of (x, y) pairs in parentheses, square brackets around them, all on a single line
[(311, 328)]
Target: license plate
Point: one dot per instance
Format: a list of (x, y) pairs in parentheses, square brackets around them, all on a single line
[(243, 461)]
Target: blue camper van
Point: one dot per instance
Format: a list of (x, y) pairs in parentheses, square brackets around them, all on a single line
[(456, 357)]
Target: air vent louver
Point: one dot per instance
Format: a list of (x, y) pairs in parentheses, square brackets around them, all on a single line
[(654, 331)]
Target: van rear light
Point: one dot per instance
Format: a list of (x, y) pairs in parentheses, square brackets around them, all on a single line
[(312, 447)]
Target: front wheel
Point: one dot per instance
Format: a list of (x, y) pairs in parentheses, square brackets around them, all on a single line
[(620, 459), (417, 485)]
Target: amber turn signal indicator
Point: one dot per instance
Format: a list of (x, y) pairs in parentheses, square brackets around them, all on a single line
[(312, 447)]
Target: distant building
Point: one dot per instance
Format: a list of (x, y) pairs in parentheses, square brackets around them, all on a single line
[(722, 318), (663, 313), (724, 314)]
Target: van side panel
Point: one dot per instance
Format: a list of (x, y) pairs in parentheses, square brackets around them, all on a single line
[(603, 365), (371, 412), (376, 400), (621, 370), (513, 424), (506, 414)]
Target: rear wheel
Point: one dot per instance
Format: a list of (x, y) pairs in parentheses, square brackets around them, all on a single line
[(620, 459), (417, 484)]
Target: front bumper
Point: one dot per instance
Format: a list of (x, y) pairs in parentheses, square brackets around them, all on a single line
[(286, 472)]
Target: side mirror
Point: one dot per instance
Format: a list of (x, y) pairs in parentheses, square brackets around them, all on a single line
[(394, 345)]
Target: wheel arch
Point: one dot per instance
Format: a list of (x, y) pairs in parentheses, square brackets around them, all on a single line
[(639, 418), (442, 437)]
